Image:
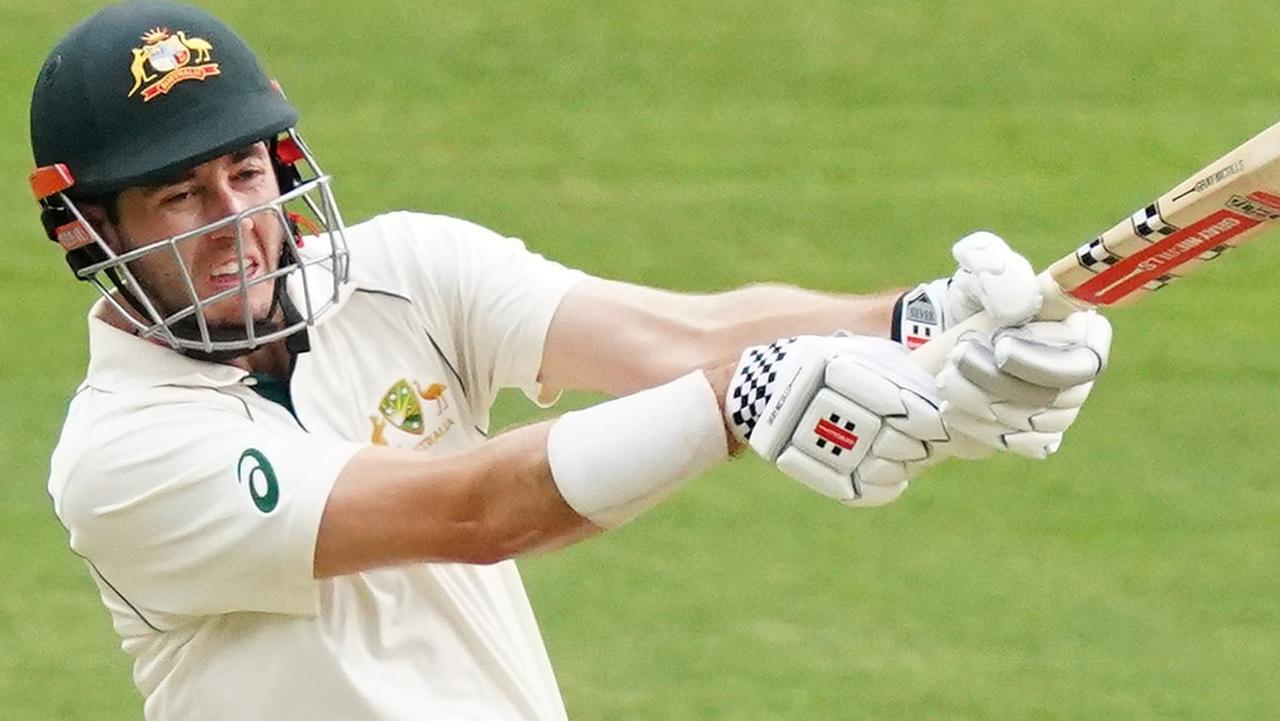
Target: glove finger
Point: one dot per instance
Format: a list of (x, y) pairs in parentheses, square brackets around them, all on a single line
[(822, 478), (983, 431), (1056, 354), (884, 358), (1092, 330), (879, 472), (981, 251), (1044, 364), (1015, 416), (1098, 334), (962, 447), (963, 297), (1073, 397), (1032, 444), (1047, 420), (864, 386), (894, 445), (976, 362), (956, 390), (922, 420), (1054, 420), (1006, 282), (877, 496)]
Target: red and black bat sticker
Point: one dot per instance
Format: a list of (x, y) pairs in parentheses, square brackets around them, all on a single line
[(1156, 262)]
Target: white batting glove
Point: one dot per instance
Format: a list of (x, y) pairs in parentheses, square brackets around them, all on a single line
[(1022, 388), (850, 417), (990, 277)]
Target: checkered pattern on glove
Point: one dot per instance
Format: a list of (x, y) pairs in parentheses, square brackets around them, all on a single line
[(753, 384)]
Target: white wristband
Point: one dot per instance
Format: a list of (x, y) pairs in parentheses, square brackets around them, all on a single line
[(618, 459)]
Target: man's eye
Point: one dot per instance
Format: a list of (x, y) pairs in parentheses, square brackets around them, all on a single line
[(249, 173), (175, 198)]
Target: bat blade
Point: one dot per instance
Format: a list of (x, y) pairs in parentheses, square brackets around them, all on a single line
[(1233, 199)]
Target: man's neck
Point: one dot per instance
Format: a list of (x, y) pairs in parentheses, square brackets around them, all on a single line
[(272, 359)]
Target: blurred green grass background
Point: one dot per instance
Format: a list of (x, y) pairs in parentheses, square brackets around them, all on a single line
[(836, 145)]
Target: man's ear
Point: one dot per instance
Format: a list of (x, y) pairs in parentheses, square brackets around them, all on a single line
[(100, 219)]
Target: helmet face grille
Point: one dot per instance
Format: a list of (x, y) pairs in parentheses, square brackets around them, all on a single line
[(306, 283)]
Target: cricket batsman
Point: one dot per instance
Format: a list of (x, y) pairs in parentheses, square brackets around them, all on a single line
[(278, 469)]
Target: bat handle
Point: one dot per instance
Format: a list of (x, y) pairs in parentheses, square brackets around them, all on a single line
[(1057, 305)]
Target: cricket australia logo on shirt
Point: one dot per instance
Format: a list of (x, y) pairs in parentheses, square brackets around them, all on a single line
[(402, 408), (255, 471)]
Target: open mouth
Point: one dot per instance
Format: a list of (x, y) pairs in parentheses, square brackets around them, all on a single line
[(227, 275)]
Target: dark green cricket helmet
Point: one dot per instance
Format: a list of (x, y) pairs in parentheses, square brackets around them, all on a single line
[(143, 90), (139, 93)]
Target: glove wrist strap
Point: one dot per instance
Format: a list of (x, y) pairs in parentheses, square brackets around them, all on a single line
[(918, 315)]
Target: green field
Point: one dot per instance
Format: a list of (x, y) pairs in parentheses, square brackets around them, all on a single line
[(837, 145)]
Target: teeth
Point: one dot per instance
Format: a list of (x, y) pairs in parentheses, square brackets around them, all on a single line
[(232, 267)]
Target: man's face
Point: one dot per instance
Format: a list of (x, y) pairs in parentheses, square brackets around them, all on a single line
[(208, 193)]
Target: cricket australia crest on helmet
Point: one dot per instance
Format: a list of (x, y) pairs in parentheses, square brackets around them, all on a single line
[(166, 59)]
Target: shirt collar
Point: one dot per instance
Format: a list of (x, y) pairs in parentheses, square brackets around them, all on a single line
[(121, 361)]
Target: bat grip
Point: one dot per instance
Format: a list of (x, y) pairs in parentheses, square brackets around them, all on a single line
[(1057, 305)]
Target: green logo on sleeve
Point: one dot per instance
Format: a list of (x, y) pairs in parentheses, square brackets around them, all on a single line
[(255, 471)]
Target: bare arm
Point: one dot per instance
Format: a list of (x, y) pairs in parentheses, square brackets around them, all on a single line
[(500, 501), (618, 338), (393, 506)]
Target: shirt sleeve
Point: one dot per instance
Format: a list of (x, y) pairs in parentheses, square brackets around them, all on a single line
[(198, 518), (499, 298)]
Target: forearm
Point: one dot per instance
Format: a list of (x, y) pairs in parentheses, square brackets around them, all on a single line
[(619, 338), (391, 506), (760, 313), (526, 491)]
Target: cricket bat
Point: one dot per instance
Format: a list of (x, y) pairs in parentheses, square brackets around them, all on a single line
[(1230, 201)]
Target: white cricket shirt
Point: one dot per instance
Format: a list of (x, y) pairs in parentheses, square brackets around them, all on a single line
[(195, 499)]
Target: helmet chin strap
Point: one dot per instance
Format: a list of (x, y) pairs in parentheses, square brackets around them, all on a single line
[(281, 304), (189, 328)]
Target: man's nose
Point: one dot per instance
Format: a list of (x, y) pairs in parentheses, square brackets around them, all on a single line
[(226, 202)]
